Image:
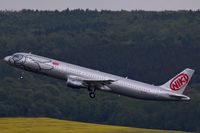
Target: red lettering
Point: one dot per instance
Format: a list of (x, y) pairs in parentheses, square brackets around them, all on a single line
[(179, 82)]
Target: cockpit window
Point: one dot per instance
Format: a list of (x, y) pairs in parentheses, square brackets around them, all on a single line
[(17, 57)]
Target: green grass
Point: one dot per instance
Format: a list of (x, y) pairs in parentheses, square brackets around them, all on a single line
[(48, 125)]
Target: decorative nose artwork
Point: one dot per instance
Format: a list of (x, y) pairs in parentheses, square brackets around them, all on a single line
[(28, 62)]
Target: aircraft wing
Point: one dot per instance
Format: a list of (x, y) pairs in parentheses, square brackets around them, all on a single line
[(98, 82), (89, 82)]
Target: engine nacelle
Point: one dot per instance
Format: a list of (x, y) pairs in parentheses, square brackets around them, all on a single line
[(75, 83)]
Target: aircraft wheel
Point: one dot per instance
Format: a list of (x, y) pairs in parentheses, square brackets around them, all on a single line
[(20, 77), (92, 95)]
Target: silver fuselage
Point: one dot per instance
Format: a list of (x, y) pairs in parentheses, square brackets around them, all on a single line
[(62, 70)]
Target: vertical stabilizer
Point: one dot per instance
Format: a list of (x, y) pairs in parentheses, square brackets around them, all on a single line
[(178, 83)]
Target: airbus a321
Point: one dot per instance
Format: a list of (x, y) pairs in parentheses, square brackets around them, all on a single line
[(80, 77)]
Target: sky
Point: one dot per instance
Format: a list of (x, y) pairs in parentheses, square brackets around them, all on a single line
[(155, 5)]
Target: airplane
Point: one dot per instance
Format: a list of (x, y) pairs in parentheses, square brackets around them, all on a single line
[(80, 77)]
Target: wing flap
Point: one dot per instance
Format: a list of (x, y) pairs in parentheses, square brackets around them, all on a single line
[(100, 84), (103, 82)]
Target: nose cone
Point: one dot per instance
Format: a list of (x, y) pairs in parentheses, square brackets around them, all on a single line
[(6, 59)]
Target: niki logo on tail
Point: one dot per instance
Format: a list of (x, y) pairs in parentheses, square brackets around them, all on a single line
[(179, 82)]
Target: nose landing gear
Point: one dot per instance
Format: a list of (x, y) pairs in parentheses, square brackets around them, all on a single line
[(21, 76)]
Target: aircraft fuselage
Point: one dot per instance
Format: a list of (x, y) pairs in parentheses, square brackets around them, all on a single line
[(81, 77)]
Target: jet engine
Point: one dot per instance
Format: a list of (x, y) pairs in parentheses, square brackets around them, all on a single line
[(75, 82)]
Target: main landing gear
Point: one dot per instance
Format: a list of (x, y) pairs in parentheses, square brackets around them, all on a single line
[(92, 92), (92, 95)]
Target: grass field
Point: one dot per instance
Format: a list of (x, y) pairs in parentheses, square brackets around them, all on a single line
[(48, 125)]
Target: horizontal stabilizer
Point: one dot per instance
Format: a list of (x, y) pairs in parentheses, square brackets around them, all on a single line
[(180, 96)]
